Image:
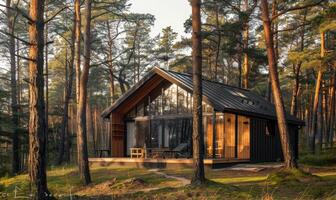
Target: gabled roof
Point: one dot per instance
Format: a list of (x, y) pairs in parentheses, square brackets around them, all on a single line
[(220, 96)]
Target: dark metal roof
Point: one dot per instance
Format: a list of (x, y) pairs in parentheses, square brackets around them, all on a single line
[(222, 97)]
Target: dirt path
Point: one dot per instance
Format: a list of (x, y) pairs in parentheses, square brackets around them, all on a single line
[(183, 181)]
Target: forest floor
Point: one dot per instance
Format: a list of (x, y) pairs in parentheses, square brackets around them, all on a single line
[(126, 183)]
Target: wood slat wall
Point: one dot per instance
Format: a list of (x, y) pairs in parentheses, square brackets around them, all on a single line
[(118, 134), (229, 135), (220, 135), (267, 147), (243, 137)]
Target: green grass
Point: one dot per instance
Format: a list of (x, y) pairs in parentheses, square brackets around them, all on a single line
[(327, 158), (108, 182), (65, 180), (230, 180)]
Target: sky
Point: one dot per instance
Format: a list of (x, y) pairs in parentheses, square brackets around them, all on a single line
[(167, 13)]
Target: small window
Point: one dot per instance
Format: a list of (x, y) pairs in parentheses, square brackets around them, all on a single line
[(269, 128)]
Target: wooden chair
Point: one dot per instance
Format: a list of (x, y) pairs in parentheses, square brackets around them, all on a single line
[(138, 153)]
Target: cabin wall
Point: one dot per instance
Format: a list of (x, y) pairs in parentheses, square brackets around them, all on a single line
[(118, 135), (265, 143)]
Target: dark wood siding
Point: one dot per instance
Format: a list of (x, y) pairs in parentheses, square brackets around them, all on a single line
[(266, 146), (118, 135)]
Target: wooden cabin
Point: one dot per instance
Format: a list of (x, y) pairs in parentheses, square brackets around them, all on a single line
[(151, 124)]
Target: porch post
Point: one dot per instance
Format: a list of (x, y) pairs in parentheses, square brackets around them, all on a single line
[(214, 134)]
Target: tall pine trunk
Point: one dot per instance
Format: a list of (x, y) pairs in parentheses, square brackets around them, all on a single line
[(63, 153), (288, 154), (246, 65), (110, 61), (297, 70), (14, 100), (198, 140), (219, 41), (46, 79), (37, 126), (78, 46), (331, 116), (82, 151), (313, 130)]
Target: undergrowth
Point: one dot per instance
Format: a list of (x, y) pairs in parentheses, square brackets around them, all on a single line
[(326, 158)]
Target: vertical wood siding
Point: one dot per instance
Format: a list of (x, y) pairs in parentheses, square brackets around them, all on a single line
[(266, 146), (118, 136), (243, 137), (229, 135)]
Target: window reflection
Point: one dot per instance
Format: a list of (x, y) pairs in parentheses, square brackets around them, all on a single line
[(168, 101)]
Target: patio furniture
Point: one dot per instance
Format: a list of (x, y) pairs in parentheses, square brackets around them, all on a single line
[(138, 153), (101, 152), (177, 151), (156, 152)]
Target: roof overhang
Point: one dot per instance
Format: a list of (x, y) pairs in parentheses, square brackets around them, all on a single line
[(165, 75)]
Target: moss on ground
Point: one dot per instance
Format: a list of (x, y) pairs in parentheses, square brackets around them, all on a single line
[(108, 183), (292, 176), (327, 158)]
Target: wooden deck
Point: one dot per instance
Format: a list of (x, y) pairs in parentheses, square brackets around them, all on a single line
[(162, 163)]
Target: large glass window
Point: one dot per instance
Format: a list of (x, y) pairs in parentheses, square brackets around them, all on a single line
[(232, 136), (219, 135)]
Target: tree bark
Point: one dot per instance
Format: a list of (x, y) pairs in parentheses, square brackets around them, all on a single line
[(63, 149), (297, 70), (46, 80), (37, 126), (219, 41), (313, 131), (14, 99), (78, 47), (110, 62), (82, 151), (246, 66), (331, 116), (319, 125), (198, 140), (288, 154)]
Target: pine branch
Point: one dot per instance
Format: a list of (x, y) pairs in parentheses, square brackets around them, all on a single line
[(297, 8), (54, 15), (12, 35), (18, 10)]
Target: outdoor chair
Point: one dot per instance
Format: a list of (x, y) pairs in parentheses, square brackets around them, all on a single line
[(176, 152)]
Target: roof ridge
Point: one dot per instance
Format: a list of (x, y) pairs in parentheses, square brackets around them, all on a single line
[(205, 79)]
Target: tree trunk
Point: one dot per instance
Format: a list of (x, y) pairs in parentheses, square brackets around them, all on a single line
[(46, 81), (198, 140), (296, 70), (319, 124), (331, 116), (219, 41), (82, 151), (313, 131), (78, 47), (288, 154), (37, 126), (63, 150), (110, 63), (14, 100), (246, 66), (293, 108)]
